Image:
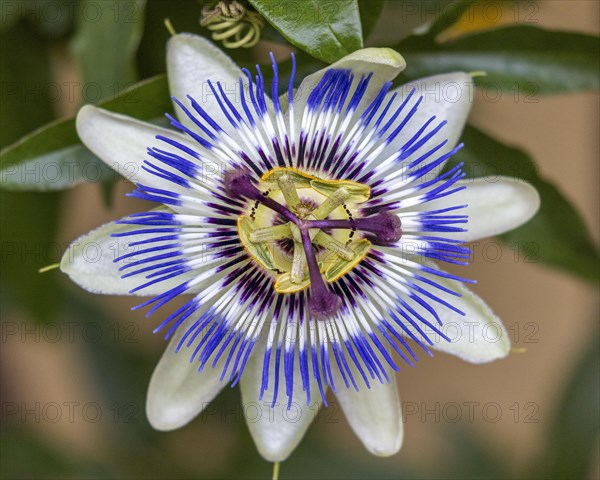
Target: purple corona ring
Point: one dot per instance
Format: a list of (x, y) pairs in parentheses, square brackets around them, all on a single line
[(303, 234)]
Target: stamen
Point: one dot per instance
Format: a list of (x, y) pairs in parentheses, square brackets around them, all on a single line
[(322, 304), (336, 199), (270, 234), (288, 189), (240, 184), (385, 227), (298, 264), (334, 246)]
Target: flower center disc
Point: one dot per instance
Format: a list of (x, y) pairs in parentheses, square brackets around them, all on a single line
[(276, 243)]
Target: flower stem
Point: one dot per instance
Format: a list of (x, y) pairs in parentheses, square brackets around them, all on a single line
[(276, 471)]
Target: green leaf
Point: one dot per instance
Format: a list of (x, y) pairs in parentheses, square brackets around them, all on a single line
[(50, 158), (49, 18), (24, 68), (184, 15), (326, 30), (474, 454), (516, 59), (53, 158), (450, 14), (105, 42), (573, 434), (370, 11), (26, 456), (27, 221), (11, 13), (557, 234)]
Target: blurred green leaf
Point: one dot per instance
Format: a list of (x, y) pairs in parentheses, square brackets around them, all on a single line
[(49, 18), (326, 30), (531, 59), (27, 221), (50, 158), (450, 14), (24, 72), (56, 153), (184, 16), (573, 433), (24, 456), (559, 235), (11, 14), (105, 42), (121, 371), (474, 454), (370, 11)]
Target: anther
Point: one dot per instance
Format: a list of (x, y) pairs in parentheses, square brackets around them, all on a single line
[(270, 234), (336, 199), (334, 246), (288, 189), (298, 264)]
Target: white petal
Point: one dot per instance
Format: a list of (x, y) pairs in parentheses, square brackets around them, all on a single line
[(90, 262), (191, 62), (177, 391), (477, 337), (385, 64), (374, 414), (495, 206), (276, 431), (448, 96), (121, 142)]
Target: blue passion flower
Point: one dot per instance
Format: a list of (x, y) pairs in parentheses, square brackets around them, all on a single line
[(306, 230)]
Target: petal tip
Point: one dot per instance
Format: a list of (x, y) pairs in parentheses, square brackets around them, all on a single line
[(386, 451), (392, 445), (184, 39), (387, 56), (85, 116), (385, 61), (271, 453), (164, 418), (532, 199)]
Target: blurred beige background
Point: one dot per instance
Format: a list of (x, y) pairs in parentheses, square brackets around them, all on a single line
[(550, 315)]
